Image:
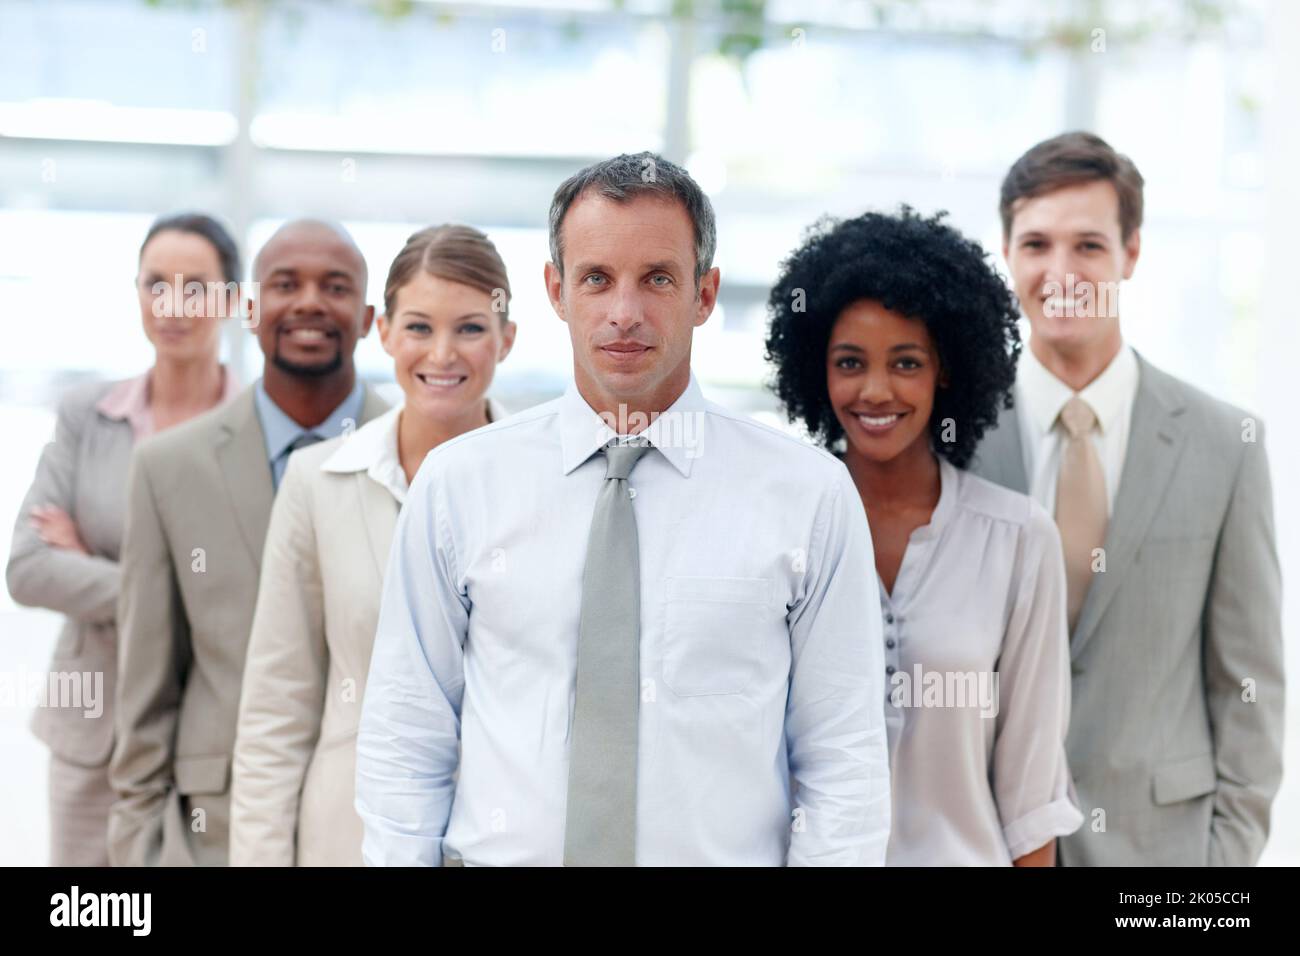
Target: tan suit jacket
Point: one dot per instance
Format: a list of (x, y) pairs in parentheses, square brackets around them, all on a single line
[(199, 502)]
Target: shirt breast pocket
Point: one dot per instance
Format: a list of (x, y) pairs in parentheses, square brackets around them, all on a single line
[(713, 634)]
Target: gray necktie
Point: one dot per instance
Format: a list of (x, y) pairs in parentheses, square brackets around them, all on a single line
[(600, 824), (281, 463)]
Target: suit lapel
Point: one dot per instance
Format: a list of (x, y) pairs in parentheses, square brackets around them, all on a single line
[(378, 507), (1000, 457), (241, 455), (379, 511), (1155, 442), (372, 406)]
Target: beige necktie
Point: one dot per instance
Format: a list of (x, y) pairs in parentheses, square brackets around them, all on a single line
[(1080, 502)]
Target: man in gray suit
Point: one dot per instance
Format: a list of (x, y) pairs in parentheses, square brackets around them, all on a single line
[(198, 505), (1163, 500)]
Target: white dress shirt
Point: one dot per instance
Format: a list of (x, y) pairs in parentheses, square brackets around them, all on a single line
[(977, 681), (760, 648), (1040, 396)]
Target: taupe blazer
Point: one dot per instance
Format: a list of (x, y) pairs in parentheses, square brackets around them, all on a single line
[(83, 472), (1176, 724), (199, 502)]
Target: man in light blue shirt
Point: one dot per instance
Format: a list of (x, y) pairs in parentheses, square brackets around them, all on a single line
[(599, 649), (284, 436)]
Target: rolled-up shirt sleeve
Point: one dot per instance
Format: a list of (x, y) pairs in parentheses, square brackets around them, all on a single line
[(1031, 777), (408, 740)]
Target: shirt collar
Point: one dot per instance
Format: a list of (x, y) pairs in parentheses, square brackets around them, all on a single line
[(950, 490), (950, 477), (676, 432), (281, 431), (1108, 394), (373, 449), (128, 401)]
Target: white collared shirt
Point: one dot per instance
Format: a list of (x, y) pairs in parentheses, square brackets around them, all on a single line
[(373, 448), (760, 648), (1040, 396)]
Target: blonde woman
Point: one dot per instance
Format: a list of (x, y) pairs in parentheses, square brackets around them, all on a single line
[(446, 325), (68, 536)]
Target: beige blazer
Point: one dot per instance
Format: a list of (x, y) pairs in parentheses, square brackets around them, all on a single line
[(292, 800), (1176, 723), (198, 506)]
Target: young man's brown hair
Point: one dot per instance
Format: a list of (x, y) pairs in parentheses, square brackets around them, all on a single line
[(1069, 159)]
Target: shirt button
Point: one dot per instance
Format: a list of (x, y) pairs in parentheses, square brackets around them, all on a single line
[(889, 619), (889, 669), (889, 643), (631, 492)]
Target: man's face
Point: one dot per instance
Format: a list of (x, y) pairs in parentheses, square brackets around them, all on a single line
[(312, 301), (1067, 260), (628, 295)]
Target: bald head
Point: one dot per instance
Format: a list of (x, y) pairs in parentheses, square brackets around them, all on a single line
[(311, 294), (319, 235)]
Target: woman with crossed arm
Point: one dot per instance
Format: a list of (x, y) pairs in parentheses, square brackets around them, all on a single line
[(68, 535)]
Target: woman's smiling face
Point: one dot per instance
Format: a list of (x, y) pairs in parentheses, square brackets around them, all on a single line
[(445, 340), (882, 369)]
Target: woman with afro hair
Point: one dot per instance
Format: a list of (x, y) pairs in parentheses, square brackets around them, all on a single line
[(895, 344)]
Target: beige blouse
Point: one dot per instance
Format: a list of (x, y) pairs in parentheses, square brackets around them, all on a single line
[(977, 681)]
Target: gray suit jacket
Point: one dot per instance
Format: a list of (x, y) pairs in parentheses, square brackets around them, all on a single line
[(199, 502), (83, 472), (1176, 726)]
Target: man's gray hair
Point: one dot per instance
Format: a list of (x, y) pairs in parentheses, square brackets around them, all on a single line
[(630, 176)]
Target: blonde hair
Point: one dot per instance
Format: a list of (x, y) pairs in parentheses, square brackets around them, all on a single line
[(456, 253)]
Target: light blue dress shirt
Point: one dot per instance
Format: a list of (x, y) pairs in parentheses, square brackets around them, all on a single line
[(761, 732), (280, 431)]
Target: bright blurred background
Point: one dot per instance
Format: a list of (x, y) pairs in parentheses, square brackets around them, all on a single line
[(390, 116)]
